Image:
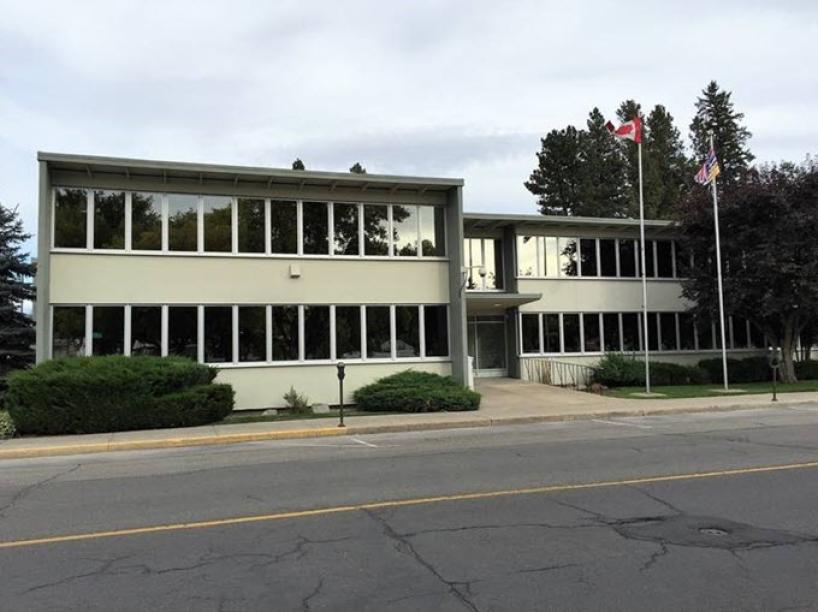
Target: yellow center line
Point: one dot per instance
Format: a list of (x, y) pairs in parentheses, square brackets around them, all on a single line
[(397, 503)]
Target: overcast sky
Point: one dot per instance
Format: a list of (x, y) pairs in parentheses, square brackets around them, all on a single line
[(461, 89)]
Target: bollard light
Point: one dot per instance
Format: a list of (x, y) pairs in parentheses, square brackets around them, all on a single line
[(341, 375)]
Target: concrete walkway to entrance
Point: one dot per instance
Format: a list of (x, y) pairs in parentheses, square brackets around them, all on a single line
[(505, 401)]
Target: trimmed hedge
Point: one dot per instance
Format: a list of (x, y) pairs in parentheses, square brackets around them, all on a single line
[(412, 391), (617, 370), (806, 370), (102, 394), (750, 369)]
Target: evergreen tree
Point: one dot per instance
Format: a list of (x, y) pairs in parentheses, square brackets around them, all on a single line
[(298, 164), (556, 178), (715, 113), (357, 168), (667, 171), (627, 111), (16, 274), (603, 187)]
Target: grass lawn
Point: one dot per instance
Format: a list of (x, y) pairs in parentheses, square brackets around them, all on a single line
[(238, 417), (712, 390)]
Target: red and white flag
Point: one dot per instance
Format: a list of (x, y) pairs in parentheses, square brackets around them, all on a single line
[(632, 130)]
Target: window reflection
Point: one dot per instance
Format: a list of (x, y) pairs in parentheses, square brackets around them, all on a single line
[(218, 221), (109, 330), (252, 333), (68, 334), (146, 330), (378, 335), (70, 209), (345, 226), (146, 221), (316, 332), (376, 229), (316, 228), (251, 225), (109, 219), (348, 332), (182, 331), (432, 235), (285, 333), (182, 222), (405, 230), (407, 331), (283, 227)]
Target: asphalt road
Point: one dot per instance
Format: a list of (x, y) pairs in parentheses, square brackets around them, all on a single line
[(655, 513)]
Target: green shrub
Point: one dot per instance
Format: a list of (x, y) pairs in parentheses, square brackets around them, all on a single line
[(617, 370), (412, 391), (750, 369), (7, 428), (101, 394), (806, 370), (297, 403)]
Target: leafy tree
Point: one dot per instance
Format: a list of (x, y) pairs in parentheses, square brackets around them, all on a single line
[(603, 186), (556, 178), (16, 274), (298, 164), (715, 113), (357, 168), (769, 253)]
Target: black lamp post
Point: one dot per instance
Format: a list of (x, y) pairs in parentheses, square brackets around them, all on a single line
[(341, 375)]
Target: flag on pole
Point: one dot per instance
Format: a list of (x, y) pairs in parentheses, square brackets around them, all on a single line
[(630, 130), (709, 170)]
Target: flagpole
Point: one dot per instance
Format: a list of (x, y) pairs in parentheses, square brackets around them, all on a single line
[(718, 274), (644, 274)]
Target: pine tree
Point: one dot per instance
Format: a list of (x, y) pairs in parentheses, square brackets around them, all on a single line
[(667, 170), (603, 188), (357, 168), (298, 164), (627, 111), (16, 273), (715, 113), (556, 179)]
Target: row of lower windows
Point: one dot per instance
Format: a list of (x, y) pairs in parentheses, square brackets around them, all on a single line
[(545, 333), (542, 256), (144, 221), (253, 333)]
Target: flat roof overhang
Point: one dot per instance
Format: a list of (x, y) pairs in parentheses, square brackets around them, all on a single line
[(490, 301), (542, 224), (93, 166)]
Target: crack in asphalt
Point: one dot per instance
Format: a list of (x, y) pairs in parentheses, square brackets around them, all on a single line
[(305, 603), (25, 491)]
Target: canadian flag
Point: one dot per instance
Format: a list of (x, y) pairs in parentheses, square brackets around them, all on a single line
[(632, 130)]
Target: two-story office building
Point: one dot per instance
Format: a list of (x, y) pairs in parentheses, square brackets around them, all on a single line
[(274, 276)]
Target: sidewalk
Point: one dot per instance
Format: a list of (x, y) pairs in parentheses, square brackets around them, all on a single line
[(505, 402)]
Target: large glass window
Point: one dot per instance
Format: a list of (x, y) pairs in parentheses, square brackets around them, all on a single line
[(667, 323), (590, 326), (376, 229), (587, 247), (182, 331), (316, 332), (407, 331), (531, 333), (493, 262), (704, 332), (570, 333), (551, 332), (146, 221), (568, 256), (108, 336), (252, 333), (251, 225), (146, 330), (285, 333), (70, 210), (109, 219), (484, 261), (405, 230), (531, 256), (348, 332), (378, 334), (653, 331), (218, 334), (345, 225), (432, 233), (630, 332), (664, 258), (436, 328), (627, 258), (283, 227), (610, 325), (607, 257), (687, 333), (182, 222), (316, 228), (473, 256), (218, 221), (650, 270), (68, 334)]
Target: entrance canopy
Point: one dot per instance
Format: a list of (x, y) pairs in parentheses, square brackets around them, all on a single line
[(496, 302)]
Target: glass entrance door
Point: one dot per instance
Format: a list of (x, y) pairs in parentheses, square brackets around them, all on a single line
[(487, 345)]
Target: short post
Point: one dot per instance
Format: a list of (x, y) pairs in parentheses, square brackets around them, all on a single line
[(774, 359), (341, 375)]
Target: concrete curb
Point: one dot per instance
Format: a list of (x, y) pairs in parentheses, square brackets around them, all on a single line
[(47, 450)]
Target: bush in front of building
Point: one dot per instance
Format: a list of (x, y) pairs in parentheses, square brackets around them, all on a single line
[(806, 370), (750, 369), (412, 391), (7, 428), (103, 394), (618, 370)]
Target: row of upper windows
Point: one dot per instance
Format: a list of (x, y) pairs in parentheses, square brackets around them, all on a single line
[(254, 333), (547, 256), (173, 222), (550, 333)]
